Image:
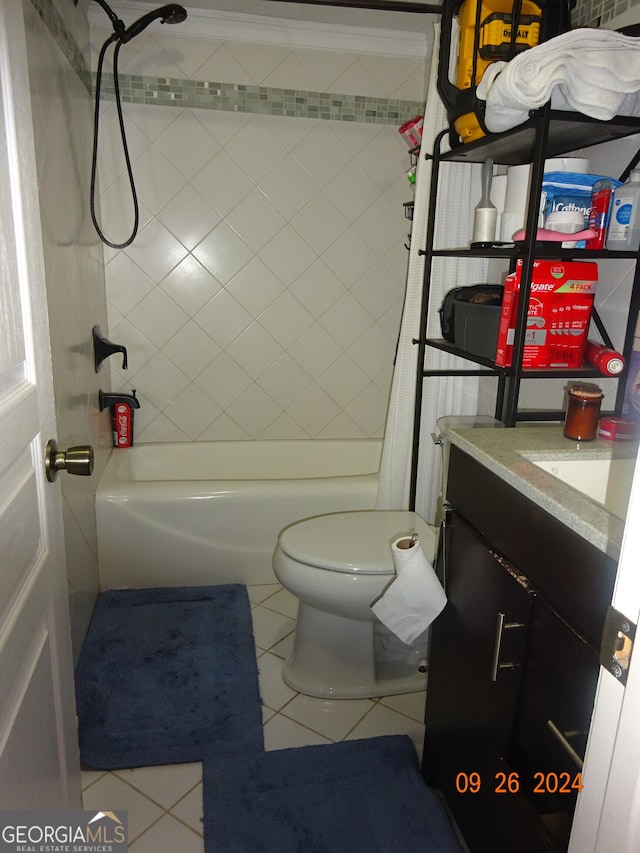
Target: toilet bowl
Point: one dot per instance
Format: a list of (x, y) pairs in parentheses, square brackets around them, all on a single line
[(337, 565)]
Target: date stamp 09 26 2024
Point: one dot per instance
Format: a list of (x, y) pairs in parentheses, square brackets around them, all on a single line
[(510, 783)]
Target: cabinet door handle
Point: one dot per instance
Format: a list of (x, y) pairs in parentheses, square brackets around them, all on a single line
[(501, 627), (442, 542), (564, 743)]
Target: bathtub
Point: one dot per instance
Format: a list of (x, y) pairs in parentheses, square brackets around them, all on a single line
[(184, 514)]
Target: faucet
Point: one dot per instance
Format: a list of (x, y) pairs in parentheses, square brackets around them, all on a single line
[(103, 348), (107, 399)]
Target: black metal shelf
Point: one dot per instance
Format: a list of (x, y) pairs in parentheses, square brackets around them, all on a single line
[(566, 132), (546, 134), (493, 368), (543, 251)]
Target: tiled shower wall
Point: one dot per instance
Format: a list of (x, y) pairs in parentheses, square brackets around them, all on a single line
[(262, 296), (58, 56), (595, 13)]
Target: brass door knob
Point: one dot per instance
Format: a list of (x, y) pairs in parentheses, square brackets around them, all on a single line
[(76, 460)]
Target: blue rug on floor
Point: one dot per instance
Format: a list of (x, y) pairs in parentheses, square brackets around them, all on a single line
[(361, 795), (167, 676)]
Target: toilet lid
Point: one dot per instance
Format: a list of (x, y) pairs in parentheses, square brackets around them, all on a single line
[(353, 541)]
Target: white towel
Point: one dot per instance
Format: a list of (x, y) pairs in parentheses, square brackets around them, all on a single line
[(595, 72)]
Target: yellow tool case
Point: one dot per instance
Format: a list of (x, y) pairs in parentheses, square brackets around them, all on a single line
[(488, 31)]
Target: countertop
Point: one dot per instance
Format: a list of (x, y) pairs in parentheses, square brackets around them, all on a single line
[(507, 453)]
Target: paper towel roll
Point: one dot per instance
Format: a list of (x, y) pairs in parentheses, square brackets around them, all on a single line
[(567, 164), (497, 196), (498, 191), (415, 597), (516, 199)]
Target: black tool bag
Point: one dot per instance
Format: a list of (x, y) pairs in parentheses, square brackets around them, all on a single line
[(486, 294)]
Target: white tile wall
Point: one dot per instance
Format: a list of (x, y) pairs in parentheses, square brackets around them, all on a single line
[(262, 297), (75, 285), (595, 13)]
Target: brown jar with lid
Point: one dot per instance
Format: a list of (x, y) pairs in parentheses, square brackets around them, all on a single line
[(583, 411)]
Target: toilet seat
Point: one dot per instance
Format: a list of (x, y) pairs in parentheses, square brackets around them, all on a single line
[(353, 542)]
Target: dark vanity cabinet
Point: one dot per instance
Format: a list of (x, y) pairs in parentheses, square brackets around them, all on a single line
[(551, 734), (513, 664), (475, 675)]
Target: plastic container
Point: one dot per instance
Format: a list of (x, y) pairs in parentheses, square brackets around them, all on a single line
[(623, 233), (607, 361), (583, 411), (617, 429), (601, 197), (476, 328), (566, 222), (412, 132)]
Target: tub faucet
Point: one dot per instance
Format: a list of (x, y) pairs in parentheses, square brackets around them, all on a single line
[(103, 348), (109, 399)]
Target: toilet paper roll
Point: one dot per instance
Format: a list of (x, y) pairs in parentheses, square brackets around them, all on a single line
[(415, 597)]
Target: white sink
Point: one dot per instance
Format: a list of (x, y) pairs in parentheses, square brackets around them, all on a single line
[(605, 481)]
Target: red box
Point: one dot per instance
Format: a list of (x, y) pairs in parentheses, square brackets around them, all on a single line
[(558, 316)]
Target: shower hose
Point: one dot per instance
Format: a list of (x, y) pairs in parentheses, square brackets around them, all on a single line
[(125, 147)]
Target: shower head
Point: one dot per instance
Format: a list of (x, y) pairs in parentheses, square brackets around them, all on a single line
[(169, 14)]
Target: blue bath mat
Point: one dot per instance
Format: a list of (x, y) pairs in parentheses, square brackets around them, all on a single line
[(335, 798), (167, 676)]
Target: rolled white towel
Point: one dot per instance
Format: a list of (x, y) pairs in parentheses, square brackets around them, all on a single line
[(595, 72)]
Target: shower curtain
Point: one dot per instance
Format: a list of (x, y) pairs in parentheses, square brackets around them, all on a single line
[(459, 192)]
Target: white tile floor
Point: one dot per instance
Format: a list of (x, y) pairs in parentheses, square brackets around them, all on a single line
[(165, 803)]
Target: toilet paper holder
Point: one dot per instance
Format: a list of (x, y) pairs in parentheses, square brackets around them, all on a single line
[(409, 542)]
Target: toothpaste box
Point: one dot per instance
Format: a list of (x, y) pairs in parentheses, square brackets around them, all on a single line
[(558, 317)]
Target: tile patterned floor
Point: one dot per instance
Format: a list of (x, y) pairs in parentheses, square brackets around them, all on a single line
[(165, 803)]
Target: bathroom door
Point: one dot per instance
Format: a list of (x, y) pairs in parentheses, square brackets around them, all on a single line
[(39, 765)]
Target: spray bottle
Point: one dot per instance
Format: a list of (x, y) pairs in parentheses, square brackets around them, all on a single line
[(601, 197), (623, 233), (608, 361)]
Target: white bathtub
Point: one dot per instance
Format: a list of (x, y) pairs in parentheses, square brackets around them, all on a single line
[(181, 514)]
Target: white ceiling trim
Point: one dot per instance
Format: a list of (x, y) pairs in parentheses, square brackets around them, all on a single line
[(256, 29)]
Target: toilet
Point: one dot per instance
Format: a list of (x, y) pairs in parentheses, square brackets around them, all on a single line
[(337, 565)]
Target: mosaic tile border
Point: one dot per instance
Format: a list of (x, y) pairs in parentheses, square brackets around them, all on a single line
[(588, 13), (594, 13), (262, 100), (64, 39), (208, 95)]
